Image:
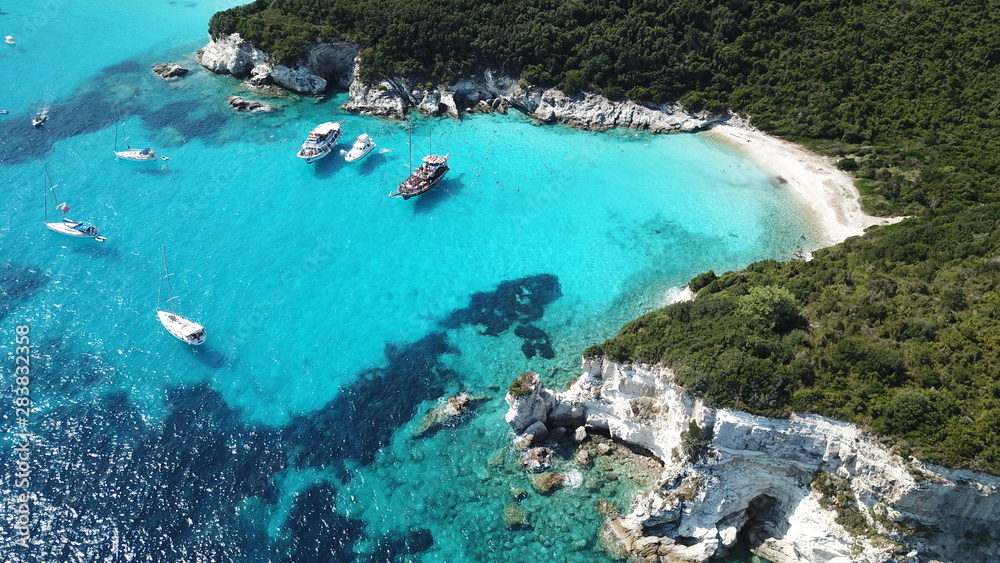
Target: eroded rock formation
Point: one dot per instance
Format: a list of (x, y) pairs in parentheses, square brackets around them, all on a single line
[(769, 480)]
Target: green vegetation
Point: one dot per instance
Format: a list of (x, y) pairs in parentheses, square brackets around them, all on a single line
[(898, 330), (523, 384), (835, 494), (696, 441), (903, 91)]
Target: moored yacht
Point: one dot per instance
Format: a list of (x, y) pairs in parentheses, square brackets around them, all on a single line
[(178, 326), (68, 227), (362, 146), (424, 177), (320, 141), (135, 155)]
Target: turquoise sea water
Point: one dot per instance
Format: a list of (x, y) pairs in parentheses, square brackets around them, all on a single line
[(336, 316)]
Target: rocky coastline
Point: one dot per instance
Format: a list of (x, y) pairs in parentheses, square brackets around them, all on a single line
[(804, 489), (337, 63)]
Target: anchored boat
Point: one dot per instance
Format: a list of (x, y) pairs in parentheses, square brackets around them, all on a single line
[(320, 142), (362, 146), (180, 327), (68, 227)]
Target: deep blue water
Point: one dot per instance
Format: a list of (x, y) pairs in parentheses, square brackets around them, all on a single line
[(336, 316)]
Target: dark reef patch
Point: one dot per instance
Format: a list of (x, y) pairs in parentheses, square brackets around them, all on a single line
[(514, 301), (360, 420), (395, 549), (536, 341), (108, 482), (115, 94), (118, 69), (17, 285), (319, 534)]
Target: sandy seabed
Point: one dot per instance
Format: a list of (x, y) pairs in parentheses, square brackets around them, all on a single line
[(828, 193)]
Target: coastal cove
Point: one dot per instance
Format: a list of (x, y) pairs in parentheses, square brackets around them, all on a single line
[(337, 317)]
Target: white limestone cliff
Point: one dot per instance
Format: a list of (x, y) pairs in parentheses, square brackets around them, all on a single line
[(338, 63), (310, 74), (757, 477), (394, 97)]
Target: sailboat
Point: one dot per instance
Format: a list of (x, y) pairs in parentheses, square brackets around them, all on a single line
[(181, 328), (424, 177), (68, 227), (135, 155)]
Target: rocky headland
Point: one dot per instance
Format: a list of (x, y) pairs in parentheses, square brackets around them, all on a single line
[(804, 489), (337, 63)]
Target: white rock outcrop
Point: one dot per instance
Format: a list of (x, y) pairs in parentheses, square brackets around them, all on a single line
[(338, 63), (394, 97), (311, 73), (231, 54), (756, 481)]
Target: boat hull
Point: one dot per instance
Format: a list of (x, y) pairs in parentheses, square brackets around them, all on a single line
[(136, 155), (181, 328), (68, 228), (362, 148), (314, 157)]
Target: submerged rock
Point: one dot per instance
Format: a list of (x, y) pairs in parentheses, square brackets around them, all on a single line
[(545, 483), (169, 71), (536, 459), (515, 517), (518, 493), (446, 412), (240, 104)]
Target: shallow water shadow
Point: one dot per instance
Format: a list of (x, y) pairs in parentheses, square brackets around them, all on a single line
[(97, 249), (328, 166), (209, 357), (369, 164), (429, 201)]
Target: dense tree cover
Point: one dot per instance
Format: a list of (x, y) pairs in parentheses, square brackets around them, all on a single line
[(898, 331), (906, 91)]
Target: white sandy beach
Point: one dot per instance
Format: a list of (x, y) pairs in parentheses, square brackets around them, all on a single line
[(828, 192)]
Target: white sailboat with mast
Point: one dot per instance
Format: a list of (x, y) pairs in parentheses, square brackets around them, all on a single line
[(68, 227), (135, 155), (181, 328)]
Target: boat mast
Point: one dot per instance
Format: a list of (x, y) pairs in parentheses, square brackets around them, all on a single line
[(170, 291), (45, 195), (410, 143)]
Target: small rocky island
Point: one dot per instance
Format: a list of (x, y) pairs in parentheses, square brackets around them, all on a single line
[(804, 490)]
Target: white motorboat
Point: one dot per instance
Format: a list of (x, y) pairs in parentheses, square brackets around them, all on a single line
[(362, 146), (39, 119), (9, 40), (68, 227), (178, 326), (320, 141), (135, 155)]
